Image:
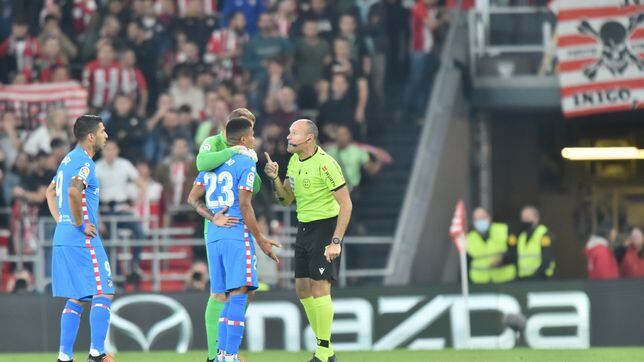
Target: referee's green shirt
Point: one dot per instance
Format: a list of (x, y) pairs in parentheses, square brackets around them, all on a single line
[(313, 181)]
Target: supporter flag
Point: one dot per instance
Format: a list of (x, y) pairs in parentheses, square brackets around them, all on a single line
[(600, 47), (459, 227), (32, 102)]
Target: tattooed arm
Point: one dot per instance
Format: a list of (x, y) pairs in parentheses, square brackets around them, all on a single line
[(75, 194)]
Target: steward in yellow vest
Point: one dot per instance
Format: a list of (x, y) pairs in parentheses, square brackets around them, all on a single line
[(487, 246), (535, 252)]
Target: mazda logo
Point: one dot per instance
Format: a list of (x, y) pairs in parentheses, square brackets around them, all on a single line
[(178, 317)]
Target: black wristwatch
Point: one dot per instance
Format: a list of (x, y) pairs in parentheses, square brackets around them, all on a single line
[(336, 241)]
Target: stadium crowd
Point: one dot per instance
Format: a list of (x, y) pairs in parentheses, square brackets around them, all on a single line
[(164, 75)]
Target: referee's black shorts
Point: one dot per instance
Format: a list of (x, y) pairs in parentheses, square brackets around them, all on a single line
[(312, 238)]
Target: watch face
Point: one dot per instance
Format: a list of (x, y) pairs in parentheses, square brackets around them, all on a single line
[(336, 240)]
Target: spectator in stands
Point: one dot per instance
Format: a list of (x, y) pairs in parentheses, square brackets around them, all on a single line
[(353, 71), (118, 9), (176, 173), (197, 278), (423, 60), (339, 108), (114, 175), (187, 122), (196, 24), (56, 126), (101, 78), (282, 109), (225, 48), (49, 59), (285, 17), (133, 82), (348, 29), (270, 84), (21, 282), (146, 56), (252, 10), (602, 264), (183, 91), (149, 207), (352, 159), (160, 139), (377, 40), (16, 177), (18, 51), (263, 46), (51, 29), (215, 121), (125, 128), (59, 149), (323, 14), (9, 140), (312, 54), (631, 254), (33, 189), (239, 100)]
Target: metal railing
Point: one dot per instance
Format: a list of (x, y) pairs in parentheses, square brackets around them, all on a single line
[(118, 243)]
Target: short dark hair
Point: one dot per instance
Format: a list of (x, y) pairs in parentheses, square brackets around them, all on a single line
[(236, 128), (57, 142), (86, 124), (50, 17)]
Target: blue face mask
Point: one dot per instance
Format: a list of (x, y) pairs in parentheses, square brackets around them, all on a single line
[(482, 226)]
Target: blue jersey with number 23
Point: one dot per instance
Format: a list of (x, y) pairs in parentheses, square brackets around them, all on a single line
[(222, 189)]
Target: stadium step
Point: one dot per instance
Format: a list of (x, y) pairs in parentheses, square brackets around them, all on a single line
[(381, 196)]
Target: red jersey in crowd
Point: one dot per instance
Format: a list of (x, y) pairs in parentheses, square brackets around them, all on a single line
[(101, 82), (466, 4), (151, 206), (132, 81), (601, 261), (24, 50), (209, 7), (82, 12), (224, 41), (422, 38), (632, 264)]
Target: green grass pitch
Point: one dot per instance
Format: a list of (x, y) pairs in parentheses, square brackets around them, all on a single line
[(595, 354)]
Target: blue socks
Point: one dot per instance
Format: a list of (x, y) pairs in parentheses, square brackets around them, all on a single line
[(99, 321), (221, 342), (69, 322), (235, 320)]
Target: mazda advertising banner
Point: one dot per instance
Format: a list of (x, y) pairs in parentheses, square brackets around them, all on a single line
[(574, 314)]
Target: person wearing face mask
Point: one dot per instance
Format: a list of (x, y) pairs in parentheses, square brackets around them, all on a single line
[(487, 245), (535, 251)]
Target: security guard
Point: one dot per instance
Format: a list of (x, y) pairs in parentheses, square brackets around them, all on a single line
[(487, 246), (535, 252)]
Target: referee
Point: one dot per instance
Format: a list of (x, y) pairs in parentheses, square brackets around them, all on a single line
[(315, 181)]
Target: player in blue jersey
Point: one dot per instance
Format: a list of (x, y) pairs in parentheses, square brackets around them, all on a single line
[(80, 269), (231, 253)]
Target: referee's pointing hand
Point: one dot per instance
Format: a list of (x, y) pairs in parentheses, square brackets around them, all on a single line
[(272, 168)]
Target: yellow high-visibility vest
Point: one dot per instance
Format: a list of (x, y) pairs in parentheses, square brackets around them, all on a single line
[(529, 252), (482, 252)]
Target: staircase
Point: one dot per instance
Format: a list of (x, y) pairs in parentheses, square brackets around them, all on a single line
[(381, 196)]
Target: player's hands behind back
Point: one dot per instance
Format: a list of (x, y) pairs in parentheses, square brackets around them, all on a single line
[(267, 247), (223, 220)]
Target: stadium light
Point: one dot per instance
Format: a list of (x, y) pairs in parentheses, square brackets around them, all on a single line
[(602, 153)]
